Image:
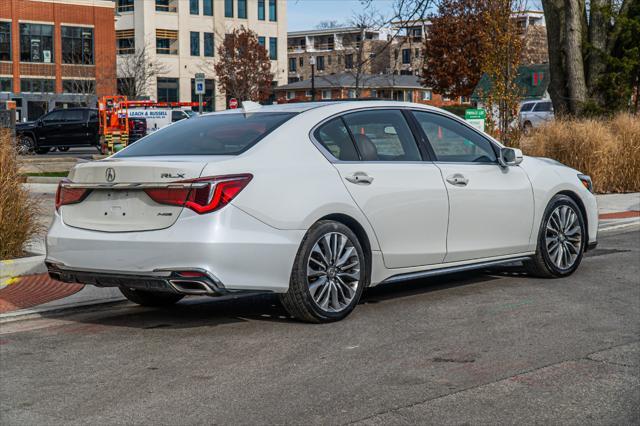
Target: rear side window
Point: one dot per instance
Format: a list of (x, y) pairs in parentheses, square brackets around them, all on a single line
[(221, 134), (543, 107), (334, 136), (74, 115)]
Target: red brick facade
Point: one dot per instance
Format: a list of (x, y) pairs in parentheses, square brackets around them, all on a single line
[(98, 14)]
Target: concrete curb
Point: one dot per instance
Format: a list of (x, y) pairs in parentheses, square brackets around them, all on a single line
[(43, 179), (12, 268)]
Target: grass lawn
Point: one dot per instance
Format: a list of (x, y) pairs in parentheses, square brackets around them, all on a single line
[(48, 174)]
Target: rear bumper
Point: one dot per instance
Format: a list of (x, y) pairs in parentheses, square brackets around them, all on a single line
[(236, 251)]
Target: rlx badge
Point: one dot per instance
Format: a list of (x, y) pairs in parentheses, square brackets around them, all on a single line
[(170, 176)]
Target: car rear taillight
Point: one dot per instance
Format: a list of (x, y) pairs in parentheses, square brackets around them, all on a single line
[(66, 195), (212, 194)]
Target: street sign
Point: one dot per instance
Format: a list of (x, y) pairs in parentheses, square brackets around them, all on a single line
[(233, 103), (475, 117), (200, 88)]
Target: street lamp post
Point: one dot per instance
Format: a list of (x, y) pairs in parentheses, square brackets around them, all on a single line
[(312, 62)]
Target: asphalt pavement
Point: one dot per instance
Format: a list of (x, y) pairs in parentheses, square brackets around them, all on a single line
[(493, 347)]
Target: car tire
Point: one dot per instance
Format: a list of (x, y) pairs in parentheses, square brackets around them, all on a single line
[(150, 298), (26, 145), (42, 151), (561, 240), (63, 148), (329, 274)]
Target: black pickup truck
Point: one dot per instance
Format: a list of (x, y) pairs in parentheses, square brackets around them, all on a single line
[(60, 128)]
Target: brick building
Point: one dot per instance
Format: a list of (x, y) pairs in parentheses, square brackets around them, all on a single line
[(56, 53)]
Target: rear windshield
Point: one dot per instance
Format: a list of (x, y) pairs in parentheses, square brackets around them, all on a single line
[(218, 134)]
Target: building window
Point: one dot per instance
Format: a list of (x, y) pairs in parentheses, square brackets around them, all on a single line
[(301, 62), (374, 93), (261, 14), (426, 95), (125, 42), (329, 59), (348, 61), (166, 5), (406, 56), (77, 45), (308, 93), (273, 11), (242, 9), (351, 93), (36, 43), (37, 85), (291, 94), (208, 45), (207, 97), (168, 90), (273, 48), (292, 64), (6, 84), (228, 8), (166, 42), (207, 7), (262, 41), (195, 43), (320, 63), (194, 7), (85, 87), (326, 94), (5, 41), (417, 53), (124, 5)]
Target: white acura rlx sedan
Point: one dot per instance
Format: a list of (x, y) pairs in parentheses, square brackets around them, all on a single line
[(315, 201)]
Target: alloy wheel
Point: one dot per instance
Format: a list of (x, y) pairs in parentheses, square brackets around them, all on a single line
[(333, 272), (563, 237)]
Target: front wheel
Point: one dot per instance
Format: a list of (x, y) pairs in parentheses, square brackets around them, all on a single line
[(63, 148), (150, 298), (25, 145), (561, 240), (329, 274)]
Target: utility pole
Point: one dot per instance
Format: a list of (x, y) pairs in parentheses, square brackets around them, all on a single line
[(312, 62)]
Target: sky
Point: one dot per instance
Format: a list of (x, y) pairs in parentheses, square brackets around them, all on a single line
[(306, 14)]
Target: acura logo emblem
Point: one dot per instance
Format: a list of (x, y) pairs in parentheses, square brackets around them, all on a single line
[(110, 174)]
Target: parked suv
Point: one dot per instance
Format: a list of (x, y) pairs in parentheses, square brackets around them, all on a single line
[(60, 128), (533, 114)]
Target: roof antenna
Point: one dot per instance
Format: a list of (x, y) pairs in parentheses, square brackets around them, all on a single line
[(249, 106)]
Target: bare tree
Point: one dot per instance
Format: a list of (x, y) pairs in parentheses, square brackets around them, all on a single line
[(325, 25), (136, 71)]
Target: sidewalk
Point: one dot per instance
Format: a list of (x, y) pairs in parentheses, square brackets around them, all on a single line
[(29, 290)]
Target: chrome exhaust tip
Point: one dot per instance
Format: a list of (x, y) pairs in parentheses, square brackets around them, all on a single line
[(191, 287)]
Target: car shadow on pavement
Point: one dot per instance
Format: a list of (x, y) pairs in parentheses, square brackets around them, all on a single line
[(208, 312)]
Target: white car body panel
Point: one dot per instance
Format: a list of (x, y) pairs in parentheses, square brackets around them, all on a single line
[(251, 243)]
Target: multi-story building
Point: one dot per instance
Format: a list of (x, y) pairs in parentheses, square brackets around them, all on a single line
[(336, 50), (56, 53), (182, 36)]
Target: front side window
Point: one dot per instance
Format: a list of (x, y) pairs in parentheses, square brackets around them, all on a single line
[(36, 43), (73, 115), (228, 8), (242, 9), (208, 45), (168, 90), (273, 11), (335, 138), (217, 134), (453, 141), (261, 14), (382, 135), (5, 41), (273, 48), (526, 107), (52, 117), (77, 45), (195, 43)]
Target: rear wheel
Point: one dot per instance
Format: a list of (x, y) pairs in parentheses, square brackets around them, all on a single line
[(329, 274), (561, 240), (150, 298)]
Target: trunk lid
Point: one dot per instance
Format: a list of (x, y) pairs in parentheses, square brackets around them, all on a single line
[(116, 205)]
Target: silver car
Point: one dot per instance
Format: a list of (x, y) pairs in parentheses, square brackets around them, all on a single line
[(533, 114)]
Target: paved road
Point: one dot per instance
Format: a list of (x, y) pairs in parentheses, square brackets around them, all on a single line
[(85, 153), (486, 348)]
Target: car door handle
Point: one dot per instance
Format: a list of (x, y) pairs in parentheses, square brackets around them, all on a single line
[(458, 180), (360, 178)]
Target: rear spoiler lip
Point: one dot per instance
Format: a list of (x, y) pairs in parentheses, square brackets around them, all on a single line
[(126, 186)]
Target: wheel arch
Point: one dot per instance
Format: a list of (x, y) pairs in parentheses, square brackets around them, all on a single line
[(360, 232)]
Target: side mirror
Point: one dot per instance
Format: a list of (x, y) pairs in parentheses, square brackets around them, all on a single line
[(510, 157), (40, 123)]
